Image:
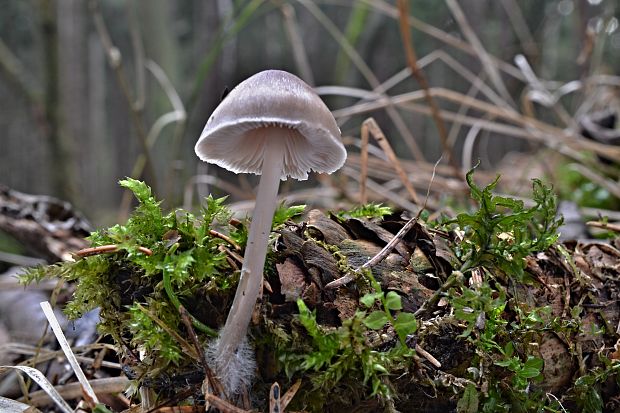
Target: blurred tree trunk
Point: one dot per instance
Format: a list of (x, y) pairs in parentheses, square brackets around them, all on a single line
[(153, 21), (208, 20), (73, 81), (62, 177)]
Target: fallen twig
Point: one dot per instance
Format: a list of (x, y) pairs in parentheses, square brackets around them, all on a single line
[(105, 249)]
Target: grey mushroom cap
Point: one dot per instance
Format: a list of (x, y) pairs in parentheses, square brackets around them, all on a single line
[(272, 103)]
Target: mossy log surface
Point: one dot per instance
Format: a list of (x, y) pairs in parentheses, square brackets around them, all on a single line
[(576, 337), (584, 275)]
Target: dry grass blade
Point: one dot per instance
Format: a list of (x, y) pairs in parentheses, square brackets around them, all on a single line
[(604, 182), (275, 405), (403, 8), (297, 45), (187, 347), (42, 381), (488, 65), (384, 7), (604, 225), (43, 355), (108, 385), (532, 129), (540, 94), (384, 193), (370, 125), (365, 70), (66, 348), (11, 406), (518, 22), (290, 393), (364, 165), (113, 55)]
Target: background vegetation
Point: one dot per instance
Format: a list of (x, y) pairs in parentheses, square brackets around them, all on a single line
[(93, 91)]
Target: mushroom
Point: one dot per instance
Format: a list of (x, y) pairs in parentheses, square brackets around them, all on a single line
[(272, 124)]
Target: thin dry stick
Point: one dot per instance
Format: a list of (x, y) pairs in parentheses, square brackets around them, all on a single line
[(106, 249), (364, 165), (388, 247), (224, 237), (448, 39), (275, 404), (223, 405), (213, 382), (297, 44), (428, 356), (108, 385), (365, 70), (604, 225), (403, 8), (518, 22), (290, 393), (487, 63), (371, 126), (115, 61)]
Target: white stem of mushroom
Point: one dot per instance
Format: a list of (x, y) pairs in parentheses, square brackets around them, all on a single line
[(251, 281)]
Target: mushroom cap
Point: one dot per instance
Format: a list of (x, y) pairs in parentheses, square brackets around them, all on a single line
[(275, 104)]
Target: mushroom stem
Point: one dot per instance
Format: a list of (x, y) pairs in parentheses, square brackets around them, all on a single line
[(251, 281)]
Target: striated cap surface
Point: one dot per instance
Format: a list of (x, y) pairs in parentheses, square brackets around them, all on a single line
[(272, 101)]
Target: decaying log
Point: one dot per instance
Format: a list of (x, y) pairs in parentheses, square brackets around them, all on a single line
[(46, 226)]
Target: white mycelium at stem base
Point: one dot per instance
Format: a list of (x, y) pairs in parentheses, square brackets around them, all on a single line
[(233, 333)]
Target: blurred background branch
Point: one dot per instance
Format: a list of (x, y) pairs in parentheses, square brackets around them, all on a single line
[(510, 83)]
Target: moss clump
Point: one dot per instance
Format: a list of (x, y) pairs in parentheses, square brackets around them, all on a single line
[(160, 261)]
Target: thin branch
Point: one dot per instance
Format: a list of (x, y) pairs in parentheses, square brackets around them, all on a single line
[(138, 52), (297, 45), (365, 70), (370, 125), (115, 60), (364, 165), (385, 251), (518, 22), (14, 71), (178, 115), (488, 65), (389, 10), (403, 8)]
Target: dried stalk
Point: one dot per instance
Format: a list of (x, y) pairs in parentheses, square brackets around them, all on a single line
[(137, 116), (370, 125), (403, 8)]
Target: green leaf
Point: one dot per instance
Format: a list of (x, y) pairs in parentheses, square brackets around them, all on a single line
[(510, 363), (375, 320), (593, 403), (392, 301), (532, 367), (468, 403), (405, 324), (378, 367), (286, 213), (369, 299)]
